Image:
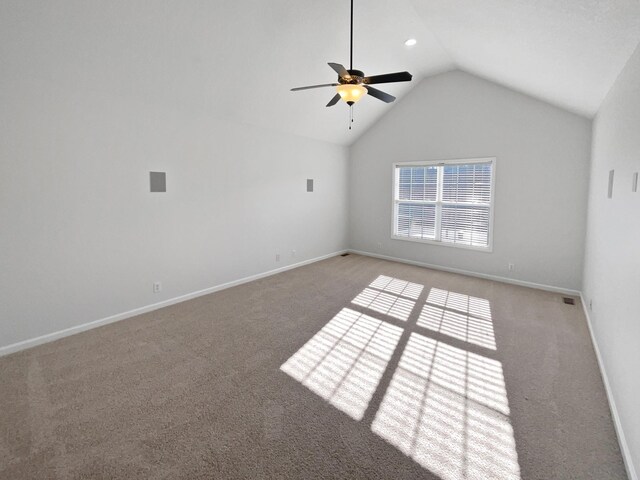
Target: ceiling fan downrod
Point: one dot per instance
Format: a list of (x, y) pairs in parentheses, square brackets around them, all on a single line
[(351, 42), (351, 64)]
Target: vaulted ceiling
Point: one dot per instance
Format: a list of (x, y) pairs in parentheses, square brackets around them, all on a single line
[(239, 59)]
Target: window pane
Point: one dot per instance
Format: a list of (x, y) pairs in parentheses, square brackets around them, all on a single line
[(465, 225), (417, 175), (460, 193), (467, 183), (416, 221), (404, 191), (418, 183)]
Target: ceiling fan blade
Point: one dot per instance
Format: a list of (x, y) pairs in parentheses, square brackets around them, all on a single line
[(379, 94), (388, 78), (340, 70), (334, 100), (315, 86)]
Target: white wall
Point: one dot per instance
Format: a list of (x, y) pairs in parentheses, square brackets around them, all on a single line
[(81, 237), (541, 177), (612, 264)]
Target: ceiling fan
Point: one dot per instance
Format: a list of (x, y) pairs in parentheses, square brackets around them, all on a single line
[(353, 84)]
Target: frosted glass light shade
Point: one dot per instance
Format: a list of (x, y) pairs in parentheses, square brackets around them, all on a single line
[(351, 93)]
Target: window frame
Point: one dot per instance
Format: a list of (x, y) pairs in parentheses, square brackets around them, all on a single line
[(395, 179)]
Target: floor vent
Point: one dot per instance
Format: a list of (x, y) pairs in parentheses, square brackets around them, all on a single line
[(568, 300), (344, 254)]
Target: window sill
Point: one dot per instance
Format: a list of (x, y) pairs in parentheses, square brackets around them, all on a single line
[(488, 249)]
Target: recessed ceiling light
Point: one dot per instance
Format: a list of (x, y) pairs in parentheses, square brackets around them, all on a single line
[(411, 42)]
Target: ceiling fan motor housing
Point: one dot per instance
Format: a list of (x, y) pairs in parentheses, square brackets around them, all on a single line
[(355, 77)]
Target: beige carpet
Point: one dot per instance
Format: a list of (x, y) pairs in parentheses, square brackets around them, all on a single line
[(352, 368)]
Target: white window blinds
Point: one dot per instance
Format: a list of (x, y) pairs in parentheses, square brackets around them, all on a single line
[(447, 202)]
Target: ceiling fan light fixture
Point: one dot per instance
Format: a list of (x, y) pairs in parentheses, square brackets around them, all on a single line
[(351, 93), (352, 84)]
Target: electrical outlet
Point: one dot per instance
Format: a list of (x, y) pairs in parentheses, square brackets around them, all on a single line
[(293, 253), (512, 267), (277, 257), (157, 287), (380, 245)]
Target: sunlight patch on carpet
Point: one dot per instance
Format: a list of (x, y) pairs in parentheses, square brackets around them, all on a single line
[(390, 296), (344, 361), (446, 406), (447, 409), (460, 316)]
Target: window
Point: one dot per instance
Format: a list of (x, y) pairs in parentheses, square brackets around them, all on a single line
[(448, 202)]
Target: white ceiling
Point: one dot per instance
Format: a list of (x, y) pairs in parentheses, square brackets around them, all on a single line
[(239, 59), (567, 52)]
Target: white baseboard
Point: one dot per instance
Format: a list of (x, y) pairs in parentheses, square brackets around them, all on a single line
[(626, 452), (496, 278), (15, 347)]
